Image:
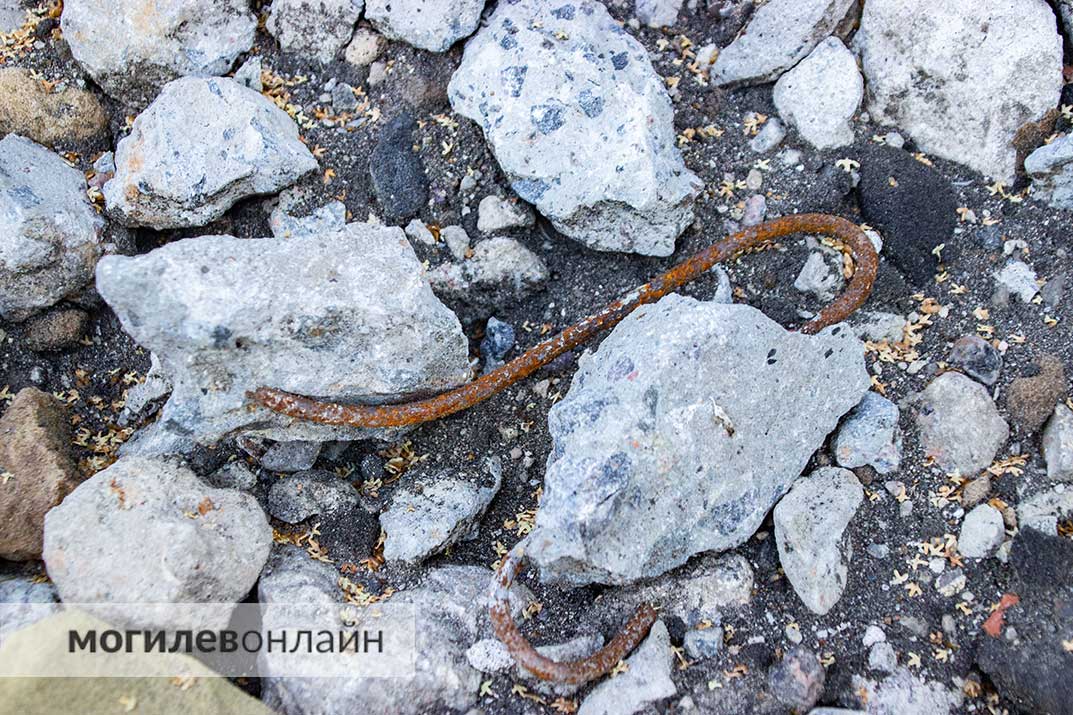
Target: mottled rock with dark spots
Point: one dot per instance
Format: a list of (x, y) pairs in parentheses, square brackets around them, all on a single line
[(977, 358)]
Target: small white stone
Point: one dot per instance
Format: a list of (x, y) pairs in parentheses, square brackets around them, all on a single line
[(981, 532)]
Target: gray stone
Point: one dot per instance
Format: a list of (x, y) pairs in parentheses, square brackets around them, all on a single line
[(820, 95), (660, 451), (343, 98), (873, 634), (1042, 511), (497, 342), (202, 145), (328, 218), (148, 531), (701, 591), (428, 515), (819, 277), (902, 693), (959, 425), (457, 241), (962, 77), (797, 680), (500, 272), (37, 597), (495, 214), (1018, 278), (976, 491), (490, 655), (881, 657), (951, 583), (432, 25), (810, 526), (142, 401), (657, 13), (1051, 169), (451, 604), (647, 680), (580, 123), (12, 15), (314, 315), (397, 171), (769, 136), (977, 358), (755, 210), (364, 48), (49, 232), (233, 475), (879, 327), (418, 231), (249, 74), (295, 498), (132, 48), (291, 456), (1058, 444), (780, 34), (981, 532), (703, 644), (314, 28), (870, 435)]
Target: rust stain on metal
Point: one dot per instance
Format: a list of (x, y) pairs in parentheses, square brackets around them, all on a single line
[(574, 672), (865, 260)]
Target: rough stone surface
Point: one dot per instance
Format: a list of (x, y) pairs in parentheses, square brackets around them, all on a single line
[(1051, 170), (132, 48), (959, 424), (1033, 667), (780, 34), (819, 277), (49, 232), (500, 272), (1058, 445), (961, 78), (495, 214), (870, 435), (234, 143), (397, 171), (364, 48), (65, 113), (148, 531), (1018, 278), (296, 498), (36, 597), (647, 680), (977, 358), (797, 681), (38, 470), (1044, 510), (662, 396), (291, 456), (1030, 400), (314, 315), (820, 95), (902, 693), (580, 123), (810, 524), (451, 604), (428, 515), (56, 329), (432, 25), (981, 532), (915, 214), (314, 28), (701, 644), (657, 13), (328, 218)]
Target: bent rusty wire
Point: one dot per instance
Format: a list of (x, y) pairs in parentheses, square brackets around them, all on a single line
[(865, 262)]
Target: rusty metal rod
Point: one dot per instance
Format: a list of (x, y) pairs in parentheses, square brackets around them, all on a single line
[(866, 263)]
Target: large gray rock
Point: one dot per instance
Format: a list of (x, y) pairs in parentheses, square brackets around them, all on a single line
[(903, 693), (1051, 169), (428, 515), (49, 232), (451, 604), (314, 28), (810, 526), (820, 95), (132, 48), (647, 680), (1058, 444), (870, 435), (780, 34), (961, 77), (148, 531), (295, 498), (202, 145), (580, 123), (680, 433), (348, 316), (959, 425), (432, 25)]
